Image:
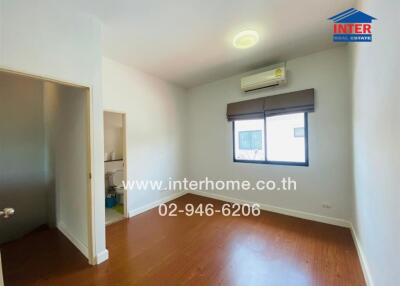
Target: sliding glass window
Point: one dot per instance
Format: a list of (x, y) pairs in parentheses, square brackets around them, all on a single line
[(278, 139)]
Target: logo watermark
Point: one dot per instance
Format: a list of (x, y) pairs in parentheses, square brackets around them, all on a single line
[(352, 25), (206, 184)]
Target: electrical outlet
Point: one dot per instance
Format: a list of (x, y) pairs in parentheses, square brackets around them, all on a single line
[(326, 206)]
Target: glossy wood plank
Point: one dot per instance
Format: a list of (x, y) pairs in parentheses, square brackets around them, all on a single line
[(271, 249)]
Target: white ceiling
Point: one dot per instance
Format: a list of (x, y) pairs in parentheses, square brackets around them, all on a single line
[(189, 42)]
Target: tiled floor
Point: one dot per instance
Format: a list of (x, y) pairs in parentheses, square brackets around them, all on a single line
[(113, 216)]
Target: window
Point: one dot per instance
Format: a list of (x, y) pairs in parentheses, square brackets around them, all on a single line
[(272, 129), (278, 139), (249, 140), (286, 138)]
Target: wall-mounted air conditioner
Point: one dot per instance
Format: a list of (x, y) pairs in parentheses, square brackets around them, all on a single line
[(273, 77)]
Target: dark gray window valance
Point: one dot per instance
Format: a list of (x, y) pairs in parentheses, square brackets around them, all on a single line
[(248, 109), (291, 102)]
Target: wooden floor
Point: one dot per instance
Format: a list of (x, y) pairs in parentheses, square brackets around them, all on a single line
[(147, 249)]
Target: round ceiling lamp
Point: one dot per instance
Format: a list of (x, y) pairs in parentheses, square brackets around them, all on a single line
[(245, 39)]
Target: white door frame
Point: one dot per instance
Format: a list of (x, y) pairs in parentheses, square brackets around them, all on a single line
[(90, 140), (124, 151), (1, 273)]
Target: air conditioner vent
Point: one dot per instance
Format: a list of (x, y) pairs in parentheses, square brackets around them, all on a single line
[(276, 76)]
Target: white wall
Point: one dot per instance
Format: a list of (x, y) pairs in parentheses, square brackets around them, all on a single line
[(22, 174), (44, 38), (51, 101), (71, 165), (154, 118), (376, 141), (66, 159), (328, 179), (113, 134)]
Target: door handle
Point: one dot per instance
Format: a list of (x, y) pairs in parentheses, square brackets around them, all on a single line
[(7, 212)]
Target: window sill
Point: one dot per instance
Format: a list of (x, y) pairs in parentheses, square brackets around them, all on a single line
[(299, 164)]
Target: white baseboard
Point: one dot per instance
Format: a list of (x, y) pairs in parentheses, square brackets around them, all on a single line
[(362, 258), (101, 257), (151, 205), (78, 244), (275, 209)]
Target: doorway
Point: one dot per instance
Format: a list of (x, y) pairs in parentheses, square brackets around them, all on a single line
[(115, 166), (45, 168)]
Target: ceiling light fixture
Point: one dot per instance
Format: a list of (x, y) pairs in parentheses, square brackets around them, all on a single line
[(245, 39)]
